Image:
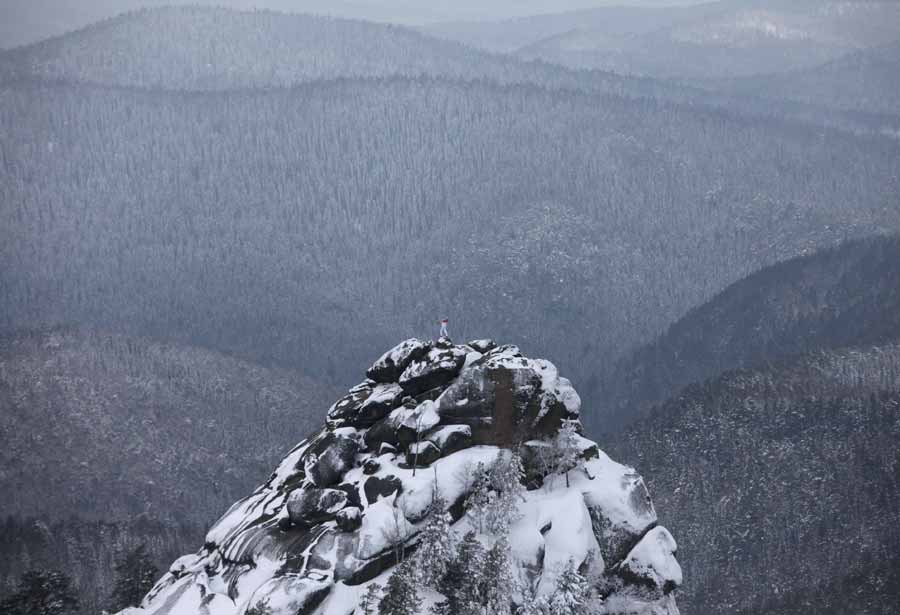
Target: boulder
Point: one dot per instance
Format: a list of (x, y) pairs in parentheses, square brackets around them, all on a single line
[(620, 516), (482, 346), (377, 487), (387, 449), (391, 365), (412, 423), (308, 507), (381, 433), (450, 438), (290, 594), (506, 398), (345, 410), (352, 492), (437, 368), (371, 466), (329, 457), (349, 519), (383, 399), (423, 454), (652, 562)]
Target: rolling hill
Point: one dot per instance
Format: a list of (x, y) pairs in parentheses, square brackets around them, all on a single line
[(861, 81), (839, 297), (107, 427), (784, 392), (206, 48)]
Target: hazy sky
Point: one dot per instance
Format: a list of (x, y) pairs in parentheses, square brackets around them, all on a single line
[(25, 21)]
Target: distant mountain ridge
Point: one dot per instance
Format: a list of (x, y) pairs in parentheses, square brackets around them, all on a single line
[(205, 48), (864, 80), (838, 297), (717, 39)]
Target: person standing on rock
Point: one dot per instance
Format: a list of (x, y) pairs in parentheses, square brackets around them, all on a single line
[(444, 323)]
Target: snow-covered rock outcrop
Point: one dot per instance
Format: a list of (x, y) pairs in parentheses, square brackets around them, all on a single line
[(346, 503)]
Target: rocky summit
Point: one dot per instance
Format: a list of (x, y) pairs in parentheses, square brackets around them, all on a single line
[(350, 502)]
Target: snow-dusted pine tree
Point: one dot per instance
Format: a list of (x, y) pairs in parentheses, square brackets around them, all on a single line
[(567, 451), (497, 579), (462, 582), (368, 604), (571, 593), (436, 547), (135, 575), (506, 476), (401, 595), (481, 498)]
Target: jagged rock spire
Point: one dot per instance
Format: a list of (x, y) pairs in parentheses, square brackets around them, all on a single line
[(347, 503)]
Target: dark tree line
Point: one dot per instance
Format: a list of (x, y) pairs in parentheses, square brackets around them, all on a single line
[(77, 566)]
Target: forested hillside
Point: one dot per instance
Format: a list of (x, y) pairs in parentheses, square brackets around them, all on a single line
[(106, 427), (346, 214), (88, 551), (781, 484), (861, 81), (838, 297)]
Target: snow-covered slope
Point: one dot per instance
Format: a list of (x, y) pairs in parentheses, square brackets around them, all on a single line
[(431, 418)]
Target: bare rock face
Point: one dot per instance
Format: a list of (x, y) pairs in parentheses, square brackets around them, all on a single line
[(346, 503)]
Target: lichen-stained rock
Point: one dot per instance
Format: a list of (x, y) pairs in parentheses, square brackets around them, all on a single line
[(329, 457), (338, 513), (438, 367), (311, 506), (652, 562), (390, 366)]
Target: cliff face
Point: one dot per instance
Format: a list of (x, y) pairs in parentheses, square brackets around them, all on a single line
[(348, 503)]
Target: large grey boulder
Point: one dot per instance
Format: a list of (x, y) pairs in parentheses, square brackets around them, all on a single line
[(383, 399), (506, 398), (308, 507), (390, 366), (450, 438), (377, 487), (422, 454), (329, 458), (437, 368), (345, 410), (652, 562)]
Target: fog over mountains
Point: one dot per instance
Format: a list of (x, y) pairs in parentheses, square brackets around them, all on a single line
[(212, 219)]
